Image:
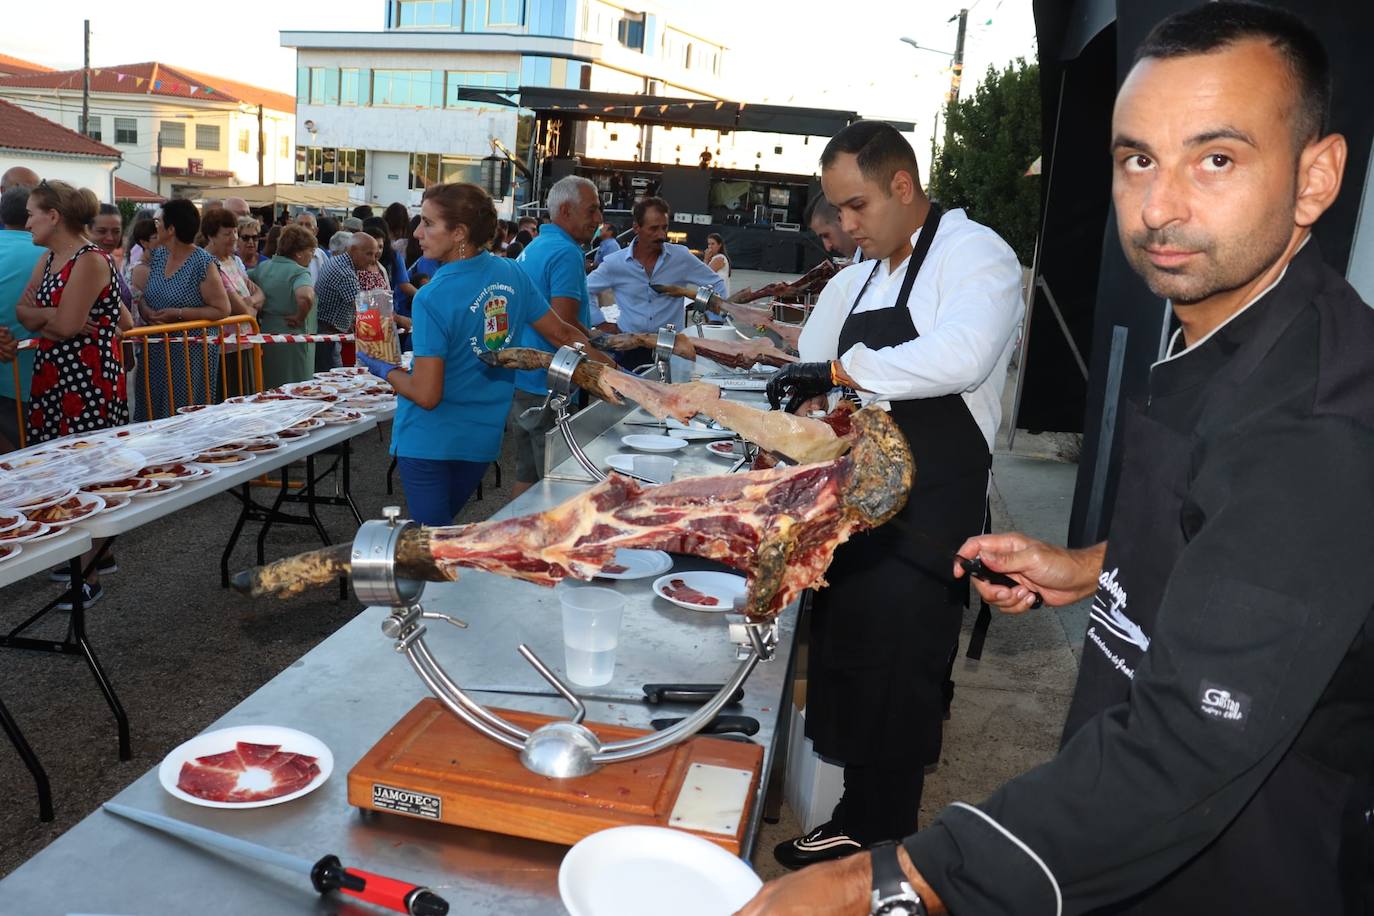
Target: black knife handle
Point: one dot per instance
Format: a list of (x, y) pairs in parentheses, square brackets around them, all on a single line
[(720, 725), (688, 693), (979, 570)]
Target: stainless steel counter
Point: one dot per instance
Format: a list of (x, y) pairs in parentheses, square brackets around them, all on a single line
[(348, 691)]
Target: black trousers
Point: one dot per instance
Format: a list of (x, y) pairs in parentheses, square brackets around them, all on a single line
[(880, 801), (631, 360)]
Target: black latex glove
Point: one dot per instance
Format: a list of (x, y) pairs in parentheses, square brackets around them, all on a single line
[(799, 382)]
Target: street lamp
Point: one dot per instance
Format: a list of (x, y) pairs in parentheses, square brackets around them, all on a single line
[(912, 42)]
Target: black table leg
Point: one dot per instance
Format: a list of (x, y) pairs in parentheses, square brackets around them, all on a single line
[(273, 513), (40, 778), (77, 630), (245, 511)]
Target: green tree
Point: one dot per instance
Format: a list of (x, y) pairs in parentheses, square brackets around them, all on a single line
[(991, 139)]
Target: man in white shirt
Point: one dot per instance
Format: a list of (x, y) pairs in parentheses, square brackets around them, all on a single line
[(925, 328)]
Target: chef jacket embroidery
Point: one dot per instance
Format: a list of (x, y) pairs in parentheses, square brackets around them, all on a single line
[(1224, 705)]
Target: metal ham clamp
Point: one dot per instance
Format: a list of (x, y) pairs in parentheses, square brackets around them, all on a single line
[(559, 749)]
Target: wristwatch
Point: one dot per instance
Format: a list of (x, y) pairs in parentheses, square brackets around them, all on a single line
[(893, 894)]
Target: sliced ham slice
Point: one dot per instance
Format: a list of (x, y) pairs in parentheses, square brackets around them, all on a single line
[(256, 754), (681, 591), (249, 773)]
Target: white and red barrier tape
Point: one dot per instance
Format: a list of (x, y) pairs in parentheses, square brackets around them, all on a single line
[(32, 343)]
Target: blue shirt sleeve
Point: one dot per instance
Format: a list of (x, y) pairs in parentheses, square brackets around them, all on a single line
[(532, 303), (568, 279), (431, 332)]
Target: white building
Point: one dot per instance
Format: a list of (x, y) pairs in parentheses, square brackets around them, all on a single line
[(384, 111), (53, 151), (176, 129)]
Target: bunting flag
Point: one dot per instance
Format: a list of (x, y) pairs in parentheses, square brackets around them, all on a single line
[(638, 109), (194, 90), (139, 81), (119, 77), (157, 84), (97, 72)]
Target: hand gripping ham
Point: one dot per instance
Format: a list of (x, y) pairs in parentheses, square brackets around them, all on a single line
[(753, 316), (780, 526)]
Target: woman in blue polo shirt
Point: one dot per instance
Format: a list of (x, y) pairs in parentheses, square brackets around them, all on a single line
[(452, 406)]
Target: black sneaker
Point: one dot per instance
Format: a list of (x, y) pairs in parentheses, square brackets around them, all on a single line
[(108, 566), (90, 594), (826, 842)]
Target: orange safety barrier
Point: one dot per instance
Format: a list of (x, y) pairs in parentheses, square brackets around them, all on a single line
[(189, 346)]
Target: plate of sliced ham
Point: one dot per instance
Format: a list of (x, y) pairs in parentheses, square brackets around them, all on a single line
[(247, 766), (636, 564), (701, 590)]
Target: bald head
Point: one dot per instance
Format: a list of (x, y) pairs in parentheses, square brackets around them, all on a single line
[(19, 177), (362, 250), (237, 206)]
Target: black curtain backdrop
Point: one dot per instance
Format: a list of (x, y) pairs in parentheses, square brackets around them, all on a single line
[(1102, 298)]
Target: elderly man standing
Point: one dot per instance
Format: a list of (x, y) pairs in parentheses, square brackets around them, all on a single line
[(19, 177), (237, 206), (650, 258), (336, 291), (553, 261), (18, 255)]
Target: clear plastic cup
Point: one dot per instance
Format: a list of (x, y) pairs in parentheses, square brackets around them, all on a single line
[(657, 468), (591, 633)]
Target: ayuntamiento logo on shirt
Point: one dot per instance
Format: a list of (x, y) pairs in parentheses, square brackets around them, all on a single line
[(493, 302), (1224, 705)]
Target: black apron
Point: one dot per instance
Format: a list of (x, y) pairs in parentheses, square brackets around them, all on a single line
[(883, 630), (1300, 800)]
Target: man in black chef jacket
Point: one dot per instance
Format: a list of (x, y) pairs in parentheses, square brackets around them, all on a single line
[(1219, 749), (925, 328)]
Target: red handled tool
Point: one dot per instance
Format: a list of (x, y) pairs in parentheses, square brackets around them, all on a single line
[(327, 875)]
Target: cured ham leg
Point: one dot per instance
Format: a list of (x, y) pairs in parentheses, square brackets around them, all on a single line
[(780, 527), (739, 354), (800, 439)]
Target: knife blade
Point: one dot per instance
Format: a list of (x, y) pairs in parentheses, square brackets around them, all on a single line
[(326, 875)]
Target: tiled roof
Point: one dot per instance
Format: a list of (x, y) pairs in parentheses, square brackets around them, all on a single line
[(127, 190), (24, 130), (153, 78), (9, 64)]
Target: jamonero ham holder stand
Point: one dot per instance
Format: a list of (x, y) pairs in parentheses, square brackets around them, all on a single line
[(453, 760)]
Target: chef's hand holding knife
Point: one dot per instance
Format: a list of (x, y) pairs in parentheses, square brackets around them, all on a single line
[(1058, 574), (800, 382)]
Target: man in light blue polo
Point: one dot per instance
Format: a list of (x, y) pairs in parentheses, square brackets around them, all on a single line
[(650, 258), (555, 265), (18, 254)]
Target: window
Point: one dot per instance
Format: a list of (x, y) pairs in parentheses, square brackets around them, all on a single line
[(243, 141), (126, 131), (328, 165), (630, 31), (317, 85), (207, 137), (421, 13), (505, 12), (454, 80), (432, 168), (91, 128), (172, 134), (406, 88), (286, 147), (348, 86)]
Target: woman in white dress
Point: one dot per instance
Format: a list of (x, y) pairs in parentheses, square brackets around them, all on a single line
[(716, 258)]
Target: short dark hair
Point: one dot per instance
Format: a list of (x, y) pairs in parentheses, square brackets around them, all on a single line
[(460, 203), (650, 203), (362, 211), (879, 150), (14, 206), (212, 223), (822, 209), (108, 210), (183, 218), (1215, 26)]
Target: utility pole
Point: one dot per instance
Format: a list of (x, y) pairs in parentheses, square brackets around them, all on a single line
[(956, 70), (262, 143), (159, 159), (86, 81)]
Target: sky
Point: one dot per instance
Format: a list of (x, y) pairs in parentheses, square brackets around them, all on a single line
[(781, 51)]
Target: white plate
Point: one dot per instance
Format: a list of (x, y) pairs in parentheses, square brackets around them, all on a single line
[(30, 531), (696, 431), (639, 564), (725, 587), (224, 739), (630, 871), (11, 519), (626, 463), (242, 459), (49, 501), (725, 450), (653, 443), (10, 551)]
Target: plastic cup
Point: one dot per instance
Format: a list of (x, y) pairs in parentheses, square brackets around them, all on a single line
[(591, 632), (657, 468)]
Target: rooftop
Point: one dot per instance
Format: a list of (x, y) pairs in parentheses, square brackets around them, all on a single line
[(127, 190), (9, 64), (153, 78), (24, 130)]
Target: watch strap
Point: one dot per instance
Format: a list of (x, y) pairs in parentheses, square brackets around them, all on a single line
[(891, 887)]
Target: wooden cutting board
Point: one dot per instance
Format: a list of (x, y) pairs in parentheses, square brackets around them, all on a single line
[(431, 765)]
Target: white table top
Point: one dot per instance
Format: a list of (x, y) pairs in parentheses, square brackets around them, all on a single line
[(147, 509), (36, 557)]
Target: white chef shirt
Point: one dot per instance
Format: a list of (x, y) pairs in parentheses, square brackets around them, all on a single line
[(966, 304)]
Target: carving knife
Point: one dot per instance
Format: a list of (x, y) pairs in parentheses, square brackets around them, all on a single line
[(328, 874), (697, 694), (720, 725), (974, 567)]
